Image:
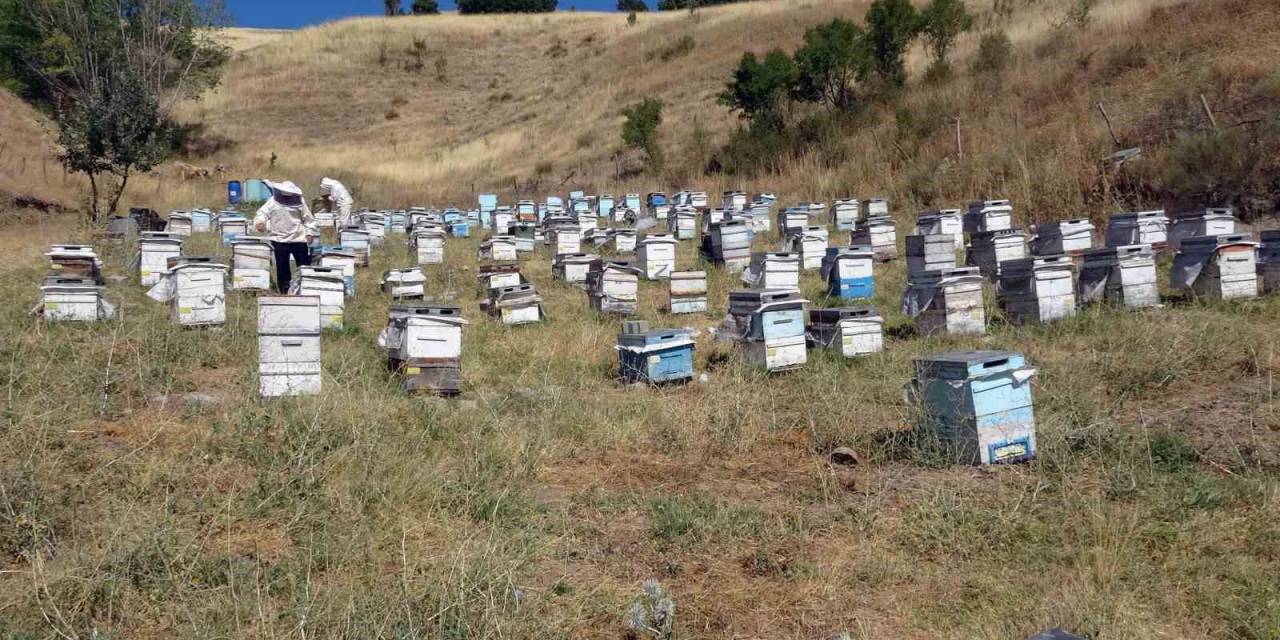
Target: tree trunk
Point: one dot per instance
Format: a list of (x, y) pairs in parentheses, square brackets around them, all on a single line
[(93, 196), (115, 196)]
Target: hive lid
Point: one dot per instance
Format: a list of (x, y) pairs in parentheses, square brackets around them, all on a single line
[(834, 315), (963, 365)]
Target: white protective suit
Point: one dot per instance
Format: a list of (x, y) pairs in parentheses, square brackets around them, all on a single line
[(286, 223), (340, 197)]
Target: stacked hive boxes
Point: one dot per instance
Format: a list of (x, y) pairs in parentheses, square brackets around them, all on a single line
[(773, 271), (329, 285), (810, 243), (376, 226), (288, 346), (793, 219), (757, 216), (250, 264), (729, 243), (359, 242), (1138, 228), (516, 304), (683, 223), (179, 223), (1209, 222), (769, 327), (945, 222), (231, 226), (502, 274), (930, 253), (733, 201), (654, 357), (850, 331), (404, 284), (1221, 267), (201, 220), (564, 239), (73, 289), (849, 272), (1036, 290), (946, 301), (344, 259), (988, 215), (197, 287), (424, 346), (154, 250), (989, 249), (880, 233), (978, 404), (688, 292), (428, 245), (657, 256), (1123, 275), (624, 240), (499, 249), (526, 235), (572, 267), (844, 214), (613, 286), (1065, 237)]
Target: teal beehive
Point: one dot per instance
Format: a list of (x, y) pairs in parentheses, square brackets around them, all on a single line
[(978, 403)]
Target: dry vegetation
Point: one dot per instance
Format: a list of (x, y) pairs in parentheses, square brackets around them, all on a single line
[(536, 505)]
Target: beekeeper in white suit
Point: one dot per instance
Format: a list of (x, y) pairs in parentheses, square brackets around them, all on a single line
[(289, 225), (338, 198)]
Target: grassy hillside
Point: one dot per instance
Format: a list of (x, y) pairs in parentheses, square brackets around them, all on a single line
[(145, 492)]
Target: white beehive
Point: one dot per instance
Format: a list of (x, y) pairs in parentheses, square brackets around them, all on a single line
[(199, 293), (930, 252), (404, 284), (428, 245), (1122, 275), (329, 285), (1221, 267), (946, 301), (1037, 290), (688, 292), (250, 264), (880, 233), (288, 346), (850, 331), (988, 215), (154, 251), (1208, 222), (810, 243), (844, 214), (499, 249), (1137, 228), (344, 259), (1065, 237), (572, 267), (989, 249), (657, 256), (941, 222), (773, 271), (73, 299)]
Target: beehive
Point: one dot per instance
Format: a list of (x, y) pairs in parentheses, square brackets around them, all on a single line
[(849, 331), (657, 256), (946, 222), (516, 305), (199, 290), (810, 243), (1206, 222), (946, 301), (773, 271), (656, 357), (404, 284), (250, 264), (978, 405), (987, 216), (688, 292), (1220, 267), (1122, 275), (358, 241), (881, 234), (73, 299), (849, 272), (329, 285), (1037, 290), (844, 214), (989, 249), (288, 346), (344, 259), (424, 346), (572, 267), (930, 252), (613, 286), (769, 327), (1138, 228), (1066, 237), (499, 249)]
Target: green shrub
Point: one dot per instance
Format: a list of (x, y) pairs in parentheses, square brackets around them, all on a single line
[(995, 52), (506, 6)]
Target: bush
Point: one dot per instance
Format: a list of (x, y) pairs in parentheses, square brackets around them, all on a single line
[(640, 131), (506, 6), (632, 6), (675, 5), (1239, 167), (893, 24), (834, 57), (995, 51), (944, 21), (425, 7), (679, 48), (759, 87)]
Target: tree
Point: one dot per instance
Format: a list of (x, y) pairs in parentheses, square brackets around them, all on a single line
[(110, 71), (425, 7), (893, 25), (833, 59), (944, 21), (506, 6), (759, 88), (632, 6), (640, 131), (391, 7)]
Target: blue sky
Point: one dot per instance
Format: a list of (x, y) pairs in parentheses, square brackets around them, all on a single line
[(299, 13)]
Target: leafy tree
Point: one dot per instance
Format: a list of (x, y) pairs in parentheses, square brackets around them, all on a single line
[(640, 131), (632, 6), (674, 5), (425, 7), (506, 6), (944, 21), (759, 88), (110, 71), (893, 25), (833, 59), (391, 7)]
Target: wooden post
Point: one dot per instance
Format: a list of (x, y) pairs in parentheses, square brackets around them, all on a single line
[(1213, 122), (959, 146), (1110, 129)]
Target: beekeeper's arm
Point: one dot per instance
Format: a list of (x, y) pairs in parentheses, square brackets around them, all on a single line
[(309, 222), (262, 218)]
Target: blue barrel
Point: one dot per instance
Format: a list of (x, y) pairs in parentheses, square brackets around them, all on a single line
[(233, 192)]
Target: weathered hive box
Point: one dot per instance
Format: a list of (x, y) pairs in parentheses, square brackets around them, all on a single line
[(503, 218), (688, 292), (179, 223), (947, 301), (459, 229), (849, 273), (1220, 267), (499, 249), (344, 259), (565, 240), (770, 327), (1269, 261), (698, 199), (516, 305), (881, 234), (398, 221), (989, 249), (613, 286), (404, 284), (683, 223), (604, 205), (1065, 237), (773, 271), (988, 215), (657, 256), (250, 264), (851, 331), (1137, 228), (1037, 290), (199, 292), (656, 357), (73, 299), (325, 219), (624, 240), (758, 217), (978, 404), (733, 201), (656, 205), (930, 252), (526, 236), (572, 267), (232, 226), (810, 243), (630, 201), (1209, 222), (587, 221), (329, 285), (844, 214), (495, 276), (358, 241), (376, 226), (793, 219), (945, 222), (1121, 275), (452, 214), (526, 211), (288, 346), (74, 261), (729, 243), (876, 208), (423, 332), (201, 220)]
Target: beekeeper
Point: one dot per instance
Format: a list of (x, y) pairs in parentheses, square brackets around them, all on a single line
[(287, 222), (338, 199)]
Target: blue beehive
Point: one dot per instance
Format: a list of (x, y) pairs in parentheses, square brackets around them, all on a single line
[(653, 357), (451, 215), (604, 205), (849, 273), (256, 190), (979, 404), (460, 229)]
